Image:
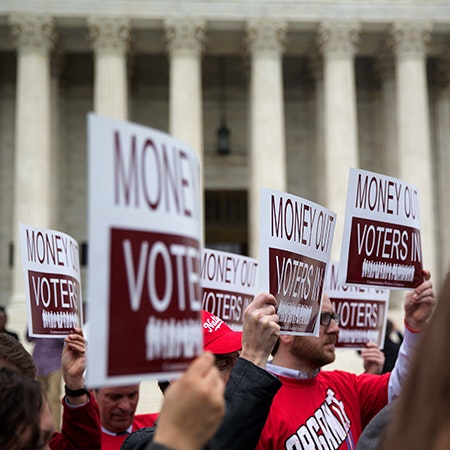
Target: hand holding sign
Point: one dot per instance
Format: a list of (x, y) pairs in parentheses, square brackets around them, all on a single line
[(73, 363), (295, 244), (419, 304), (261, 329)]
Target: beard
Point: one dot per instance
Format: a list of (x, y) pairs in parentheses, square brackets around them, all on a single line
[(314, 349)]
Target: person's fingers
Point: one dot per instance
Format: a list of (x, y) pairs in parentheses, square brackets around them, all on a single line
[(262, 299), (74, 338), (423, 287), (80, 348), (371, 345)]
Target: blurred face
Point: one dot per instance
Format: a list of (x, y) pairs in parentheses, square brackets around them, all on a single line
[(46, 432), (319, 351), (225, 364), (117, 406)]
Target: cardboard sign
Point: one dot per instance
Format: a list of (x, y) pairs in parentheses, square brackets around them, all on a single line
[(362, 311), (51, 268), (382, 239), (296, 236), (144, 255), (229, 284)]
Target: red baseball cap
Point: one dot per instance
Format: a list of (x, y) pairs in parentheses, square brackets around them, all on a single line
[(218, 337)]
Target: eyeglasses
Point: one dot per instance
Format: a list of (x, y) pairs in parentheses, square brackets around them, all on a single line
[(325, 319)]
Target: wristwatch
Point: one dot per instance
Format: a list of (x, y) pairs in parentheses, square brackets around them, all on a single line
[(75, 392)]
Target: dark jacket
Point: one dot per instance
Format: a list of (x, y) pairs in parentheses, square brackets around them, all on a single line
[(371, 436), (248, 395)]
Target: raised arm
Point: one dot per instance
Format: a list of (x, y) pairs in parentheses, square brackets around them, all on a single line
[(260, 329), (419, 305), (81, 428)]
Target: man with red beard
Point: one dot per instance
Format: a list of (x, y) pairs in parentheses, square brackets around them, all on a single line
[(317, 409)]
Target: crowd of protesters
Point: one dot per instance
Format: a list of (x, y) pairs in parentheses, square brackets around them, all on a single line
[(251, 389)]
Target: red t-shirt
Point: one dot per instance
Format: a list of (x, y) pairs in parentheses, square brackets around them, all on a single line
[(110, 442), (325, 412)]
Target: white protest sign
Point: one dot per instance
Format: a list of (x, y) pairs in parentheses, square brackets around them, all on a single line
[(382, 239), (144, 254), (295, 243), (229, 283), (51, 268), (362, 311)]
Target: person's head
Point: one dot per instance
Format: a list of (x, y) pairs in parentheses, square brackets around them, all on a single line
[(220, 339), (117, 405), (14, 355), (309, 353), (3, 318), (25, 418)]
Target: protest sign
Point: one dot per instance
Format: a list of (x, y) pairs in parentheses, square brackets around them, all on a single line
[(51, 268), (295, 243), (144, 255), (362, 311), (229, 283), (381, 244)]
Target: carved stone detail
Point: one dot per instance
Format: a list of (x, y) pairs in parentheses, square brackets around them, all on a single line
[(33, 31), (411, 38), (266, 35), (185, 34), (109, 33), (341, 37)]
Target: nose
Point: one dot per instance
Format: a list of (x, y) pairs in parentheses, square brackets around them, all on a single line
[(125, 405), (333, 327)]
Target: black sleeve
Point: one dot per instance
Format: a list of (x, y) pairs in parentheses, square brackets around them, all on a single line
[(139, 439), (248, 394), (153, 446)]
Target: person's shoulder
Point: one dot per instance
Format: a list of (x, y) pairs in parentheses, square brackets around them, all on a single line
[(144, 420), (348, 377), (336, 375), (11, 333), (139, 439)]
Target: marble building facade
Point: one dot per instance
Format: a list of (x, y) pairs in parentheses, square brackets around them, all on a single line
[(307, 89)]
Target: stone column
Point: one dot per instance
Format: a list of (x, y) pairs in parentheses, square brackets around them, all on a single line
[(440, 85), (385, 68), (338, 43), (34, 37), (110, 37), (55, 127), (414, 142), (315, 64), (265, 40), (185, 42)]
